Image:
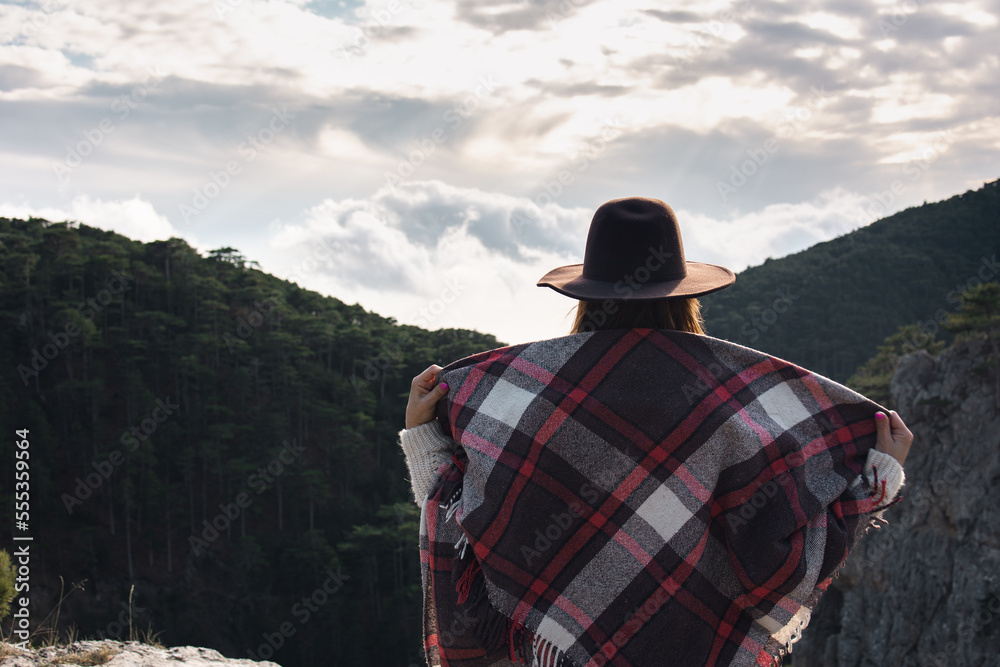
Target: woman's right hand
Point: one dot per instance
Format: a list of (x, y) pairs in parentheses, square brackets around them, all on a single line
[(423, 397), (892, 436)]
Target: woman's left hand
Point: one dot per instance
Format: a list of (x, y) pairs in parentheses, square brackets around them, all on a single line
[(892, 436), (423, 397)]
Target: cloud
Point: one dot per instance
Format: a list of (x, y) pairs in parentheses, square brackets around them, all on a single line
[(399, 250), (500, 16), (691, 92), (400, 235), (134, 218), (724, 75), (775, 231)]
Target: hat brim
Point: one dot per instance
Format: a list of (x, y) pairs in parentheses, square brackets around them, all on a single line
[(701, 279)]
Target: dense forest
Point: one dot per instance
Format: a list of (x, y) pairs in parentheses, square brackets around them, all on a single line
[(828, 308), (225, 441), (221, 439)]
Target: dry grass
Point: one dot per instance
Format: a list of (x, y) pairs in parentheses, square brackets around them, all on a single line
[(97, 656), (6, 650), (149, 637), (47, 636)]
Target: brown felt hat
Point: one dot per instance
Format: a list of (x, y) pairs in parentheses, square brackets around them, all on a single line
[(634, 251)]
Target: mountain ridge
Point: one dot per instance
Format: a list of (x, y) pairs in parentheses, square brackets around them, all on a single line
[(906, 268)]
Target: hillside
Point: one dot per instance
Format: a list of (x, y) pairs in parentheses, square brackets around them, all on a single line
[(223, 439), (226, 441), (923, 589), (828, 307)]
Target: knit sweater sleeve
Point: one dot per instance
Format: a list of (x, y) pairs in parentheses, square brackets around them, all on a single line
[(881, 467), (426, 447)]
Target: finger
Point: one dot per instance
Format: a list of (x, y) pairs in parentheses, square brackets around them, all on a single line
[(882, 429), (435, 394), (425, 380)]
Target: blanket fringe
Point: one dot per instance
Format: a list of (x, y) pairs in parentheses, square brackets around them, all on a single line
[(465, 581), (547, 654), (495, 632)]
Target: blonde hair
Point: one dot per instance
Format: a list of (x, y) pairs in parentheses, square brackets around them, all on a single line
[(679, 314)]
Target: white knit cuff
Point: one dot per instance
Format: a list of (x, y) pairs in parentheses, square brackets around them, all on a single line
[(888, 470), (426, 447)]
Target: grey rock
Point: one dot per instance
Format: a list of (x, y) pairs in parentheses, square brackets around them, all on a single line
[(924, 589), (121, 654)]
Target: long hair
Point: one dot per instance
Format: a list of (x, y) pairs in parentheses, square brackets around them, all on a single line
[(679, 314)]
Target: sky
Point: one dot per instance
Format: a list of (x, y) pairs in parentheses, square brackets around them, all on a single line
[(431, 160)]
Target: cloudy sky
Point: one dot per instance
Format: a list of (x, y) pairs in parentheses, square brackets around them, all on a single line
[(432, 159)]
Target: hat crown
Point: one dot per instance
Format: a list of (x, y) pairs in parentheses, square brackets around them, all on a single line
[(634, 252), (634, 237)]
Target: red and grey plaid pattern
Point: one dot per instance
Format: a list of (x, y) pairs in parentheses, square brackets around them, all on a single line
[(638, 497)]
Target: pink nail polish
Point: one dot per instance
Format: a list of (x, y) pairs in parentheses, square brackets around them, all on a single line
[(444, 385), (880, 416)]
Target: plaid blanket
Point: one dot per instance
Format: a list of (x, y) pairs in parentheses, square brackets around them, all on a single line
[(638, 497)]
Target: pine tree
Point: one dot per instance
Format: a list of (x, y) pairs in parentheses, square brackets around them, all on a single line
[(980, 315), (872, 378), (6, 584)]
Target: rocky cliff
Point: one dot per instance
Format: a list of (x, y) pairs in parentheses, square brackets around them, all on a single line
[(924, 590), (119, 654)]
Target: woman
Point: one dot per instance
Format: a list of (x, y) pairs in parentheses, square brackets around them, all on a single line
[(637, 489)]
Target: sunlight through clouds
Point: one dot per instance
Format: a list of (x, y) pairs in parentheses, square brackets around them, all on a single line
[(396, 247), (419, 127)]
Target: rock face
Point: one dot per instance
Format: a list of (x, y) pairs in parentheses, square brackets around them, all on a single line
[(121, 654), (924, 590)]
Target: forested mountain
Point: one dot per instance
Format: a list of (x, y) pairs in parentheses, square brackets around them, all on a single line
[(827, 308), (223, 439)]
